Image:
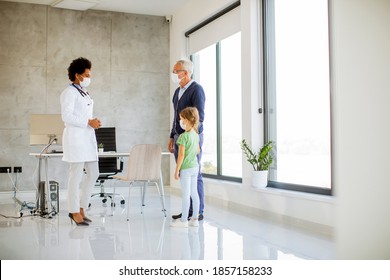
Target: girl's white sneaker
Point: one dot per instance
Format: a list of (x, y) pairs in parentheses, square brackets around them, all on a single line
[(193, 223)]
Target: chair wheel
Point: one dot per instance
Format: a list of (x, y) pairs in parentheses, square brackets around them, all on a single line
[(122, 201), (112, 204), (104, 200), (89, 205)]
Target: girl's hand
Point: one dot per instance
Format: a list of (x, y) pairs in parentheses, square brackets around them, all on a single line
[(177, 175)]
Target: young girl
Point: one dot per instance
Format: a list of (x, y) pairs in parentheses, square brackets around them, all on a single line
[(187, 166)]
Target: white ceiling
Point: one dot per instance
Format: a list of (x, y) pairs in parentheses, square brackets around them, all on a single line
[(147, 7)]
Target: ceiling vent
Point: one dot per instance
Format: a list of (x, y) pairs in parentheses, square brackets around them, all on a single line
[(74, 4)]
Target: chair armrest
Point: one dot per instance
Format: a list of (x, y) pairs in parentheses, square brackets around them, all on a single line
[(120, 165), (119, 178)]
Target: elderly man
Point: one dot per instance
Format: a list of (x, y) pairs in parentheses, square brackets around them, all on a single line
[(188, 94)]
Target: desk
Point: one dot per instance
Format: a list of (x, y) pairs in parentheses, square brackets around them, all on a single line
[(104, 154), (46, 156)]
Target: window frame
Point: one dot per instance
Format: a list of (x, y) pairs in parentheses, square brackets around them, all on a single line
[(218, 116), (266, 95)]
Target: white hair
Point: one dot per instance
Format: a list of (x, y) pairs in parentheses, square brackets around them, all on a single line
[(187, 65)]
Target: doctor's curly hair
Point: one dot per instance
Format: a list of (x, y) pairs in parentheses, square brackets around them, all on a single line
[(78, 66)]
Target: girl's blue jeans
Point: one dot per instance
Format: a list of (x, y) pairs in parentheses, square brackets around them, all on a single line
[(189, 183)]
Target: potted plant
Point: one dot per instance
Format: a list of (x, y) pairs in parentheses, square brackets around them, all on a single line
[(101, 147), (260, 161)]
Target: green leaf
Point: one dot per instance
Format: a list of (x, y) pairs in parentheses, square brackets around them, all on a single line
[(261, 160)]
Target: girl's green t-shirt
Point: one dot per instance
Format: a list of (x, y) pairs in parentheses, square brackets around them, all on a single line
[(190, 140)]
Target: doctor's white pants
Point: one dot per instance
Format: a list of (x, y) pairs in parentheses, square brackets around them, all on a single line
[(80, 184)]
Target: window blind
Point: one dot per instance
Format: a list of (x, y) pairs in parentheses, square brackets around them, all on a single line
[(218, 27)]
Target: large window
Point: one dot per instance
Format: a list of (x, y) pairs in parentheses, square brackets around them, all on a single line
[(297, 93), (215, 48), (218, 70)]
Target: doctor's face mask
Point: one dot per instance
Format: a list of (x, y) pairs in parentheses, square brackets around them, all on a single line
[(85, 81)]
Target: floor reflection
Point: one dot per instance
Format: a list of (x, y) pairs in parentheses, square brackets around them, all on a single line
[(223, 235), (105, 245)]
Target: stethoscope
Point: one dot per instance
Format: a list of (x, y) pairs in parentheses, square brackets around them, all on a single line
[(83, 94)]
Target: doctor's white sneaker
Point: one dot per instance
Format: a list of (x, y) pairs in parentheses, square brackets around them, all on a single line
[(179, 224)]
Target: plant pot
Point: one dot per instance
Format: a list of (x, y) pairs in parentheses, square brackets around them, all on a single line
[(260, 178), (101, 150)]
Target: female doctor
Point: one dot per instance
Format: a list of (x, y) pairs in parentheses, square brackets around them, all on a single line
[(79, 140)]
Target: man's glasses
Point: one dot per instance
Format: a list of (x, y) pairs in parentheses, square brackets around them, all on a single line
[(175, 71)]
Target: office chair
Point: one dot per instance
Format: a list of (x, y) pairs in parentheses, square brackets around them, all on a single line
[(144, 166), (108, 166)]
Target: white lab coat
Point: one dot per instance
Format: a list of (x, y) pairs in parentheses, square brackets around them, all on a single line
[(79, 139)]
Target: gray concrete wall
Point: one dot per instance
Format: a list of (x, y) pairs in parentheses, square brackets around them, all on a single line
[(130, 78)]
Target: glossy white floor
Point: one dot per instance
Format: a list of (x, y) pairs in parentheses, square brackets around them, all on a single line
[(222, 235)]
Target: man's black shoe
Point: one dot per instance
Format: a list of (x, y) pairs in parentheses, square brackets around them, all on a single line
[(178, 216), (200, 217), (175, 217)]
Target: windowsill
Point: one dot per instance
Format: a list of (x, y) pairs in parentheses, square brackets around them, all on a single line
[(274, 191), (297, 194)]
